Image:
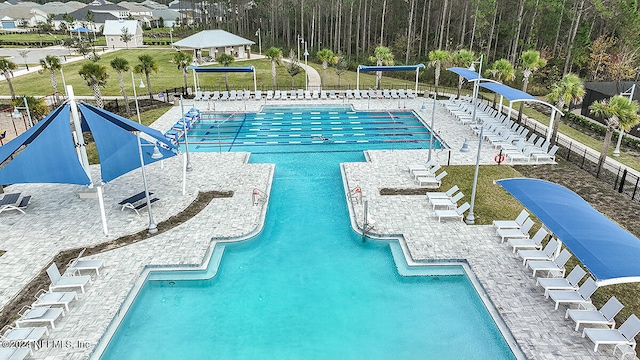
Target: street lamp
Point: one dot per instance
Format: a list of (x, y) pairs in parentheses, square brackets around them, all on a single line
[(299, 40), (306, 72), (259, 41), (433, 118), (186, 141), (470, 220)]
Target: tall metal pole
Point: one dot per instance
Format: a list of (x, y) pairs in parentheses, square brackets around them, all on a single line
[(298, 41), (470, 220), (433, 118), (306, 72), (186, 138), (26, 104)]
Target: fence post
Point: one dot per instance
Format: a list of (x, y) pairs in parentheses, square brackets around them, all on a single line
[(635, 188), (584, 157), (624, 177)]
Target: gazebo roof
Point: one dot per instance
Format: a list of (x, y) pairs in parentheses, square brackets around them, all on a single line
[(211, 39)]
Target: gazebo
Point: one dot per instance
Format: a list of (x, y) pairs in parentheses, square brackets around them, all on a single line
[(216, 42)]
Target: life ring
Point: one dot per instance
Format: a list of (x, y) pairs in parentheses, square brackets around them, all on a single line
[(499, 158), (357, 189)]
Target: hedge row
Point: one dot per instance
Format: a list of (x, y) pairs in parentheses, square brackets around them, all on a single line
[(600, 129), (156, 42), (36, 43)]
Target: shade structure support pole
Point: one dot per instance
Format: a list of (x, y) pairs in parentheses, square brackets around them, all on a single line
[(186, 138), (255, 84), (76, 124), (358, 79), (103, 215), (551, 120), (152, 228), (417, 73)]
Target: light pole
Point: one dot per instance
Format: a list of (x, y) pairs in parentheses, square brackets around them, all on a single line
[(186, 141), (299, 40), (629, 92), (259, 41), (152, 228), (433, 118), (171, 35), (470, 220), (306, 72)]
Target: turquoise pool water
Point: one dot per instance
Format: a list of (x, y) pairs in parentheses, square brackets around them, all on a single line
[(308, 287)]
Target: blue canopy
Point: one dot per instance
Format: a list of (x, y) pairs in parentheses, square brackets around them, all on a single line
[(509, 93), (608, 251), (46, 152), (80, 30), (363, 68), (43, 154), (199, 69), (469, 75)]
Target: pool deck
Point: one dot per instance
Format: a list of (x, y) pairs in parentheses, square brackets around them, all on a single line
[(58, 219)]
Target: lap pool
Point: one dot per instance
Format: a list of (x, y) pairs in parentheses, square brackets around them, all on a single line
[(308, 287)]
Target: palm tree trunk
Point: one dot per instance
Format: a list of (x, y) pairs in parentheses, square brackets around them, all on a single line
[(6, 76), (54, 83), (273, 74), (97, 95), (460, 82), (124, 94), (184, 77), (605, 149), (556, 123), (437, 76), (226, 80), (149, 86)]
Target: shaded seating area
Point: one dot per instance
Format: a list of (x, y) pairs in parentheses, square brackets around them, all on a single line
[(13, 202)]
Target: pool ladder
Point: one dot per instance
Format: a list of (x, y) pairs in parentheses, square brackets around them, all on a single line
[(258, 197), (356, 194)]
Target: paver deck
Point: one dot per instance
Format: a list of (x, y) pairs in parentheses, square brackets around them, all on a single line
[(57, 219)]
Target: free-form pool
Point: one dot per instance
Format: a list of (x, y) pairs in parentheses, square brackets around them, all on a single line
[(308, 287)]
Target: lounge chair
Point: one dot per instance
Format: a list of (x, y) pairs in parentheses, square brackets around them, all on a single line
[(580, 297), (307, 95), (430, 172), (258, 95), (225, 95), (410, 94), (24, 202), (276, 95), (46, 314), (45, 298), (348, 93), (551, 266), (300, 94), (364, 94), (315, 94), (457, 213), (374, 94), (544, 254), (356, 95), (386, 94), (394, 94), (215, 96), (534, 243), (522, 233), (198, 96), (512, 224), (247, 95), (323, 94), (604, 316), (233, 95), (269, 94), (442, 195), (78, 264), (448, 202), (550, 156), (14, 353), (428, 181), (23, 335), (402, 94), (426, 166), (66, 282), (295, 95), (206, 95), (624, 335), (569, 283), (9, 199)]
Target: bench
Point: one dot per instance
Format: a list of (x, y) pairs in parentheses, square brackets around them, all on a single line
[(130, 202)]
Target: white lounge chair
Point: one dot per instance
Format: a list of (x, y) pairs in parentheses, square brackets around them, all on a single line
[(10, 333), (580, 297), (258, 95), (333, 95), (315, 94), (45, 298), (348, 93), (323, 95), (522, 233), (215, 95), (448, 202), (225, 95), (457, 213), (14, 353), (410, 94), (307, 95), (294, 95), (430, 172), (604, 316), (624, 335), (552, 266), (233, 95), (394, 94), (442, 195), (402, 94), (416, 167), (386, 94), (269, 95), (276, 95), (46, 314), (544, 254), (300, 94), (198, 96), (429, 181), (356, 95), (534, 243), (550, 156), (569, 283), (66, 282), (78, 264), (18, 206), (512, 224)]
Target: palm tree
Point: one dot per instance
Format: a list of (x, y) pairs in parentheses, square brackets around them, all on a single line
[(274, 55), (183, 60), (293, 67), (121, 65), (225, 60), (501, 70), (462, 58), (326, 56), (531, 61), (619, 113), (52, 63), (437, 58), (381, 56), (146, 66), (95, 75), (6, 69), (569, 88)]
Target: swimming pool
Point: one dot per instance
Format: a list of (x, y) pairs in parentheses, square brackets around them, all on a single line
[(308, 287)]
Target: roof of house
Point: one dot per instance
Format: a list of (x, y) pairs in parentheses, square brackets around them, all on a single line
[(166, 14), (114, 27), (57, 7), (212, 38), (134, 7)]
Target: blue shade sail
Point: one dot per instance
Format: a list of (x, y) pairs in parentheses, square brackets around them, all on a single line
[(199, 69), (44, 154), (610, 252), (118, 145), (509, 93), (363, 68), (469, 75)]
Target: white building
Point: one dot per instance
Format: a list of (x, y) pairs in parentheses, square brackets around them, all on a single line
[(216, 42), (113, 30)]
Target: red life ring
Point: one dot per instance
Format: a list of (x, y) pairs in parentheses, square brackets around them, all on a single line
[(499, 158)]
